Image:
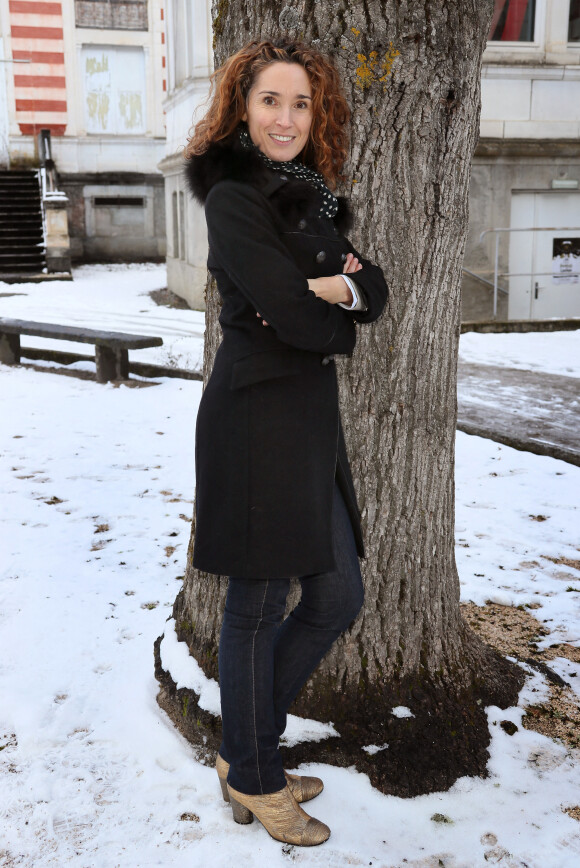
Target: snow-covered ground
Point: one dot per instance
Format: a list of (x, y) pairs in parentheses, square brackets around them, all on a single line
[(545, 352), (116, 297), (113, 297), (97, 486)]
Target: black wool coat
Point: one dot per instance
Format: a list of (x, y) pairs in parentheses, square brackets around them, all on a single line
[(269, 443)]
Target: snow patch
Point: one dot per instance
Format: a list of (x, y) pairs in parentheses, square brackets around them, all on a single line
[(402, 711), (548, 352), (186, 672), (374, 748), (300, 729)]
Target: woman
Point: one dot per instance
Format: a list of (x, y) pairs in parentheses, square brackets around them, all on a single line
[(274, 494)]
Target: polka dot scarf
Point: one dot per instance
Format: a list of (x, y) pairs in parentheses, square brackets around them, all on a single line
[(329, 205)]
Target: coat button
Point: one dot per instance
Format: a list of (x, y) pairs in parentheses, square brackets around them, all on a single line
[(302, 224), (283, 177), (343, 257), (326, 360), (320, 257)]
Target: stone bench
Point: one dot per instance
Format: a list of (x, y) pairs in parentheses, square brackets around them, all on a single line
[(111, 348)]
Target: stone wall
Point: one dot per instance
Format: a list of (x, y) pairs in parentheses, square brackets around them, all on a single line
[(116, 217)]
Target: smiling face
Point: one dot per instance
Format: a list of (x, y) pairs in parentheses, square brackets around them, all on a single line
[(279, 110)]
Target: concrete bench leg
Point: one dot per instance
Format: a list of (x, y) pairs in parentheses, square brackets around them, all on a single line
[(111, 364), (10, 349)]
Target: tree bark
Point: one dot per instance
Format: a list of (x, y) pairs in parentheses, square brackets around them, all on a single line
[(411, 70)]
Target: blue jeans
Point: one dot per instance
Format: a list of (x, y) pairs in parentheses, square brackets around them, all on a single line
[(264, 661)]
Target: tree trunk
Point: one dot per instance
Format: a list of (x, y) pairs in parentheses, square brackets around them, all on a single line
[(411, 70)]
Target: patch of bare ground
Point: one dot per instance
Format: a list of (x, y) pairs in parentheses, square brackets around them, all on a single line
[(515, 632), (558, 717), (567, 562), (573, 812), (166, 298), (86, 375)]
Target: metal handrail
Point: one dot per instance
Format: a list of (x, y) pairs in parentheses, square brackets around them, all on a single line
[(513, 229), (41, 177), (483, 280), (525, 274)]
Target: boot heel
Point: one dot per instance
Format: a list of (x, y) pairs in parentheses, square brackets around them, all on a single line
[(224, 786), (222, 768), (241, 814)]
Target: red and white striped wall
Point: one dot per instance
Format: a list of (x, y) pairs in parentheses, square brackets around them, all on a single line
[(36, 29)]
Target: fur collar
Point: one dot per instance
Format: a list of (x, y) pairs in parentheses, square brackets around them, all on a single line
[(229, 160)]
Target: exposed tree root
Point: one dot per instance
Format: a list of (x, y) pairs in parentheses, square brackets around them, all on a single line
[(445, 738)]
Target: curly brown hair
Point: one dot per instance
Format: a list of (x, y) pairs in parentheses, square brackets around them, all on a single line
[(327, 146)]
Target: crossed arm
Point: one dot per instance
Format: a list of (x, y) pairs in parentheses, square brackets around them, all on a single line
[(334, 289), (241, 232)]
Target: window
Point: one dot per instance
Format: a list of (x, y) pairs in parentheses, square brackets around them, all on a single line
[(111, 14), (114, 80), (181, 225), (119, 201), (513, 21), (175, 221), (180, 36), (574, 25), (178, 215)]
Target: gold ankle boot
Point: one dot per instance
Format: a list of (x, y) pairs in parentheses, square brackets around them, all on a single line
[(302, 787), (281, 816)]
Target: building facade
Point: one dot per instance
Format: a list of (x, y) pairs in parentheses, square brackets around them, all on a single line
[(189, 66), (526, 169), (93, 73)]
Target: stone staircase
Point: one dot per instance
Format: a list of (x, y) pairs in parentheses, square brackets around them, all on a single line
[(22, 246)]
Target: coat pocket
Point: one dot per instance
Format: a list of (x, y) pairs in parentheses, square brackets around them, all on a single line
[(270, 364)]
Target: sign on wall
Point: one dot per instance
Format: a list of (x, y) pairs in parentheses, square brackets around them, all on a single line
[(565, 260), (114, 89)]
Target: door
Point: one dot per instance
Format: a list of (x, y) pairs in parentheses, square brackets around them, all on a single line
[(544, 265)]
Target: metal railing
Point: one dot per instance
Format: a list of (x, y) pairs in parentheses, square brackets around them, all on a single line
[(483, 280), (496, 272), (48, 173)]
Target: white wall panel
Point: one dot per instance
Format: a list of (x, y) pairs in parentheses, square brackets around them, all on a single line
[(556, 101), (505, 100)]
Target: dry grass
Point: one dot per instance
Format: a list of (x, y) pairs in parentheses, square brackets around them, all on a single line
[(567, 562), (515, 632)]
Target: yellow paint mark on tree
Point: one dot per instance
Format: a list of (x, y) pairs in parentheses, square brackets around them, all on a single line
[(372, 69), (389, 59)]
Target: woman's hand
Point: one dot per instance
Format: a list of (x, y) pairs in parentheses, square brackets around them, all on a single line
[(334, 289), (331, 289), (351, 264)]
